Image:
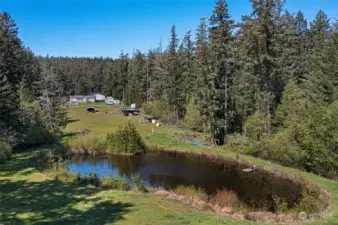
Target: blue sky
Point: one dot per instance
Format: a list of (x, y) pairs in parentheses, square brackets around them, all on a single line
[(105, 27)]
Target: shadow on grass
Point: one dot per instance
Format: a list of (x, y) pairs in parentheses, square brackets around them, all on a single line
[(72, 120), (18, 164), (49, 201), (52, 202)]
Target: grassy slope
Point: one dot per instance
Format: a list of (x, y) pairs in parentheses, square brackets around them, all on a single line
[(28, 197)]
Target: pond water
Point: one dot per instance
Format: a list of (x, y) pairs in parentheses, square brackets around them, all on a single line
[(168, 170)]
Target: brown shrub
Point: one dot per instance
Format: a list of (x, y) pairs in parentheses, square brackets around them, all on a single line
[(225, 198)]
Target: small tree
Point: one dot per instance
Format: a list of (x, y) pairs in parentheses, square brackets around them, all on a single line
[(193, 118), (125, 140)]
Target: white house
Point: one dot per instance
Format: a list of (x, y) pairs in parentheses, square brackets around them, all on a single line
[(94, 97), (75, 99), (98, 97)]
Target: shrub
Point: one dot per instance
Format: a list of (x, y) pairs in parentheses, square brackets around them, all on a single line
[(43, 159), (238, 143), (279, 204), (5, 151), (87, 144), (193, 118), (225, 198), (114, 182), (161, 110), (125, 140), (278, 147), (139, 182), (191, 191), (309, 202), (147, 108), (63, 174), (254, 127), (90, 179)]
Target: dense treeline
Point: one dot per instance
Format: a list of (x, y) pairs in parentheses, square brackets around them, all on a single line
[(30, 111), (265, 85)]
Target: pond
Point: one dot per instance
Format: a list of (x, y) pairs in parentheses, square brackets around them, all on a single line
[(170, 169)]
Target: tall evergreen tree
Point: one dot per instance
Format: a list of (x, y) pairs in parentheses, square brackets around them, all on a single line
[(187, 61), (123, 74), (173, 77), (137, 78), (10, 75), (205, 88), (261, 36), (222, 43)]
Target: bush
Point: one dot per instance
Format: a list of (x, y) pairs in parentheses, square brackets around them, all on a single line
[(191, 191), (147, 108), (5, 151), (43, 160), (160, 110), (254, 127), (139, 182), (87, 144), (125, 140), (225, 198), (34, 130), (114, 182), (193, 118), (279, 148), (309, 201), (63, 174), (90, 179), (238, 143), (279, 204)]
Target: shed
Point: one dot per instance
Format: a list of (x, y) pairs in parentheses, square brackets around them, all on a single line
[(134, 106), (130, 112)]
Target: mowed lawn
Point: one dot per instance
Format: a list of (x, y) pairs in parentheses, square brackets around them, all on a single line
[(101, 123)]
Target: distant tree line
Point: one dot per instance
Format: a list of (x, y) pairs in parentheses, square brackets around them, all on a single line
[(266, 85)]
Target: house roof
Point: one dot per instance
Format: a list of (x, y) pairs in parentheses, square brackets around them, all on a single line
[(77, 96), (94, 93), (81, 96)]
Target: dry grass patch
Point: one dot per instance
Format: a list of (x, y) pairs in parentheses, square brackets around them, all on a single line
[(225, 198), (191, 192)]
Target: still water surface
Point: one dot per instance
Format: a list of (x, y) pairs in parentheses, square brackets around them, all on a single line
[(169, 170)]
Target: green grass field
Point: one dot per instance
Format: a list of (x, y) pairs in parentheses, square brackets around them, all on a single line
[(101, 123), (29, 197)]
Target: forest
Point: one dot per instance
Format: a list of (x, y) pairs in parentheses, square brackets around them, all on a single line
[(266, 85)]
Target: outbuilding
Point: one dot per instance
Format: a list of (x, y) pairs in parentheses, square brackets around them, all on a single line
[(97, 96)]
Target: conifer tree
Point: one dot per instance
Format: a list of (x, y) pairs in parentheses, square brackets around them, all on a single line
[(222, 43), (173, 77), (204, 90), (10, 62), (187, 61), (260, 58), (123, 74), (137, 78), (318, 80)]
